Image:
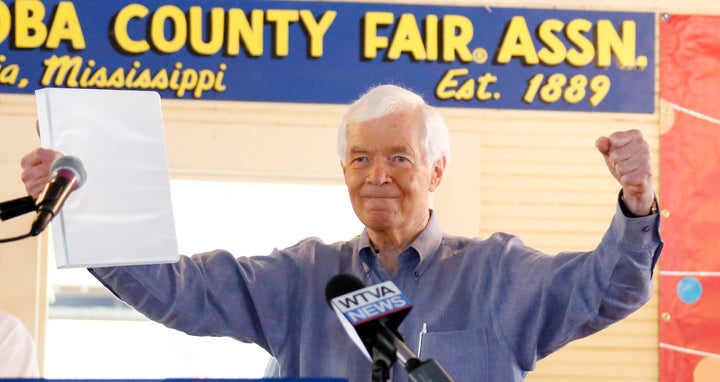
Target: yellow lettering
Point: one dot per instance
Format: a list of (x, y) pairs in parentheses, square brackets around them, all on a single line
[(483, 82), (9, 74), (517, 42), (447, 85), (466, 91), (249, 33), (100, 78), (177, 18), (215, 31), (60, 68), (316, 30), (86, 74), (371, 41), (457, 34), (219, 86), (450, 87), (173, 83), (160, 81), (189, 81), (282, 19), (431, 37), (117, 79), (5, 21), (131, 74), (143, 80), (123, 40), (609, 43), (65, 71), (407, 39), (554, 51), (205, 81), (65, 26), (30, 31), (584, 52)]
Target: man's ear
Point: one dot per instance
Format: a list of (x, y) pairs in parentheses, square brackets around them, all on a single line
[(438, 171)]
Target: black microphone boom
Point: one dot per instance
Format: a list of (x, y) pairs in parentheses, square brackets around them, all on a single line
[(17, 207), (384, 342), (68, 174)]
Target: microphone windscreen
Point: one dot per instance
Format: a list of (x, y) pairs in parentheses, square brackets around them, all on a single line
[(342, 284), (74, 164)]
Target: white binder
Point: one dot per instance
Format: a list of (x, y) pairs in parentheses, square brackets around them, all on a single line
[(122, 214)]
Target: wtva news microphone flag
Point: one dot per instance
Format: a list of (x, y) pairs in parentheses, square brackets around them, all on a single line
[(368, 304)]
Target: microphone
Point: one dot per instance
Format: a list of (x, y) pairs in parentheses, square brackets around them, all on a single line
[(17, 207), (68, 174), (375, 313)]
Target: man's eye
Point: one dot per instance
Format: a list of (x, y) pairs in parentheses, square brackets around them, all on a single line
[(400, 158)]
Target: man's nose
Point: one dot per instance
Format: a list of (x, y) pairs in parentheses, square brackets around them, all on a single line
[(378, 173)]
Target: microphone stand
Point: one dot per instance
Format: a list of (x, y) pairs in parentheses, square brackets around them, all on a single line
[(384, 356), (388, 348), (418, 370), (381, 366)]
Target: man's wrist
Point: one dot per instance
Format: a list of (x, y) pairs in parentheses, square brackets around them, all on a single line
[(627, 212)]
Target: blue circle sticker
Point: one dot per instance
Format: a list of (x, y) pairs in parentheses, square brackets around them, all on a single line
[(689, 289)]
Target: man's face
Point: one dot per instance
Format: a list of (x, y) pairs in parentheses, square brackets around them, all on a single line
[(386, 175)]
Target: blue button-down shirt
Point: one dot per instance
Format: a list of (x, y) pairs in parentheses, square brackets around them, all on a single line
[(492, 307)]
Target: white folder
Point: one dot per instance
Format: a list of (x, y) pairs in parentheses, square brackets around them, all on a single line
[(122, 214)]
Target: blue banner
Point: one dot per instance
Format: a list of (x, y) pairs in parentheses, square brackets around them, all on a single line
[(325, 52)]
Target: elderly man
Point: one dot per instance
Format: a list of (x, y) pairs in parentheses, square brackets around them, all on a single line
[(491, 307)]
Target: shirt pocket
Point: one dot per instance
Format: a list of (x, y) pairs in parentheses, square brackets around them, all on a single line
[(463, 353)]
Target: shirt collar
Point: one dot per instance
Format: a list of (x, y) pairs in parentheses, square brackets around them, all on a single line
[(426, 245)]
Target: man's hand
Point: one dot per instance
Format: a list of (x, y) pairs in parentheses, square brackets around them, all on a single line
[(36, 169), (627, 155)]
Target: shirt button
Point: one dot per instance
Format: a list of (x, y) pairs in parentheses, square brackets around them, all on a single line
[(646, 229), (417, 274)]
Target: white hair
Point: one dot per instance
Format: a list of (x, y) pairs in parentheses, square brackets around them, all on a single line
[(388, 99)]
